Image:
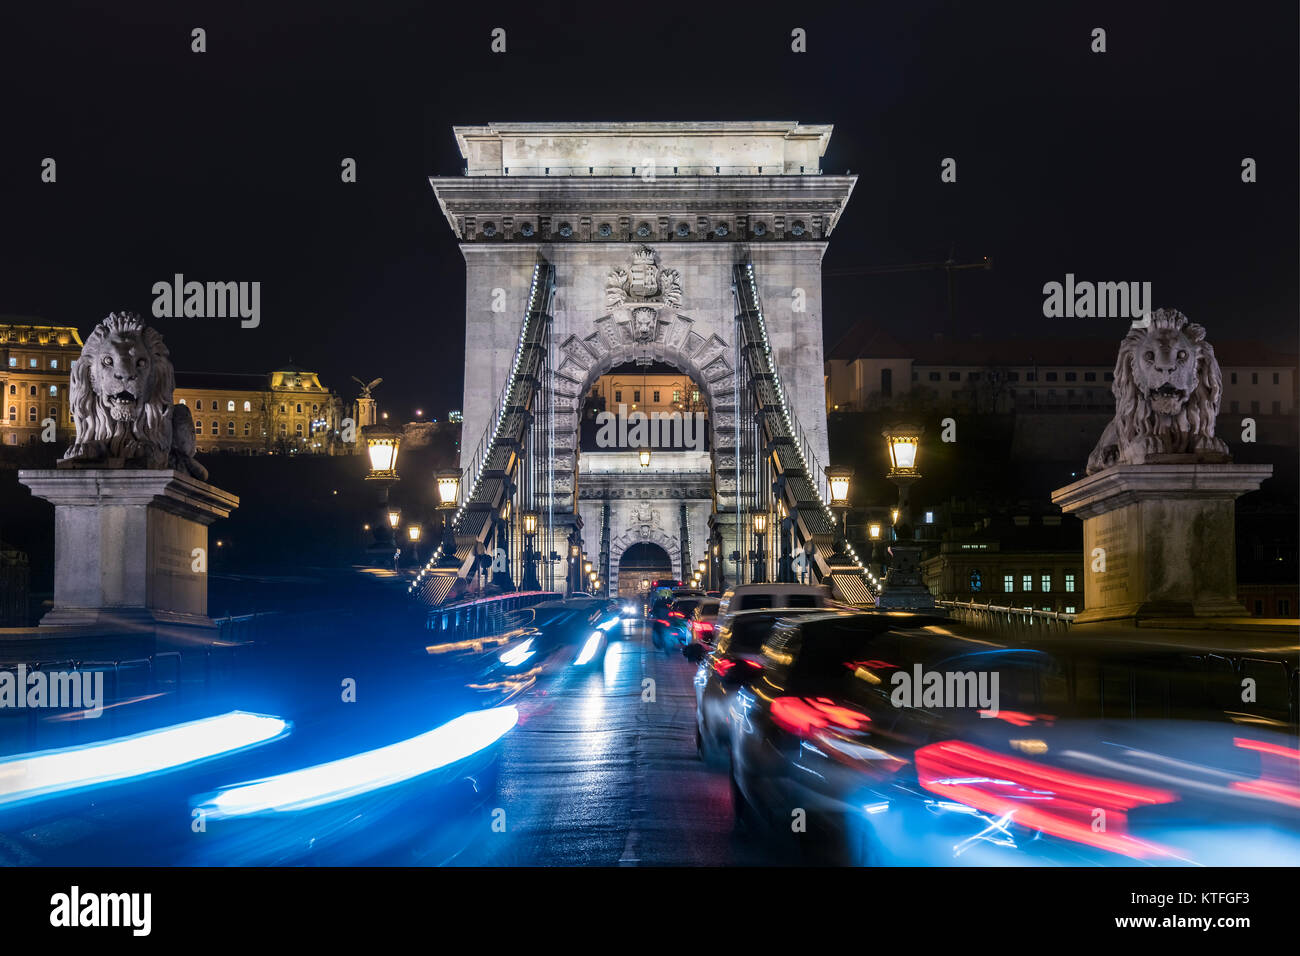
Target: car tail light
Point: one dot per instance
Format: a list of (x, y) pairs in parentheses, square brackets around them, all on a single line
[(803, 715), (701, 627), (725, 665), (676, 614), (1057, 802)]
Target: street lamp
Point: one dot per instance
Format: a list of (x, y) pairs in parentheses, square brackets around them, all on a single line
[(644, 455), (759, 519), (903, 586), (382, 444), (413, 535), (448, 483), (530, 552), (840, 478)]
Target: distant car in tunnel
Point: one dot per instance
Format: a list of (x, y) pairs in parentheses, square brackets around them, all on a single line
[(906, 743)]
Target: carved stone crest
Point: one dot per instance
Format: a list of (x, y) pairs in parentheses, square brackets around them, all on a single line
[(640, 292)]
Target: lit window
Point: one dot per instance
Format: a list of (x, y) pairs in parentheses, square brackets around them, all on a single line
[(695, 394), (54, 390), (13, 362), (31, 363), (1027, 583), (677, 394), (1069, 609), (230, 405), (1069, 583), (248, 406), (54, 363), (929, 517), (1008, 583), (183, 402), (976, 580), (1047, 582)]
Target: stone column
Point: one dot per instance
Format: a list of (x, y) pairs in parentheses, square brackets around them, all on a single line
[(1159, 540), (130, 545)]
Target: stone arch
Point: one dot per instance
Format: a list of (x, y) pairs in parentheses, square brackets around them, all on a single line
[(639, 535), (704, 355)]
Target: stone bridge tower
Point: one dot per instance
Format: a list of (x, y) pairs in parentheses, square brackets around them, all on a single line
[(644, 224)]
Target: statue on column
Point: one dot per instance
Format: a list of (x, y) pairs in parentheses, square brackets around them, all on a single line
[(1167, 390), (121, 398)]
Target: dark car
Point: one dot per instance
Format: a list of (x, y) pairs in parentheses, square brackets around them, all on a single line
[(671, 620), (895, 742), (735, 658)]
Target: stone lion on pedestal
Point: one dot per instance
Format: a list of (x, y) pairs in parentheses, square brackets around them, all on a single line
[(1167, 389), (121, 397)]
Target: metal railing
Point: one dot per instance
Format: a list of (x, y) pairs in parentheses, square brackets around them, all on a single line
[(655, 169), (467, 620), (1009, 621)]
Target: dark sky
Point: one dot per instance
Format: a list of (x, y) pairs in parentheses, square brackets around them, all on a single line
[(225, 165)]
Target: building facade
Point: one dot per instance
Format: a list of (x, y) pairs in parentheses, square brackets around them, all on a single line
[(287, 411), (35, 365), (869, 369)]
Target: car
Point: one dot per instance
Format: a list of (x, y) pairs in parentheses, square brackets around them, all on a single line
[(672, 623), (905, 742), (724, 667), (703, 622), (760, 596), (632, 607)]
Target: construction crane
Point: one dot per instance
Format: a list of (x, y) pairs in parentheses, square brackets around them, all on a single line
[(949, 265)]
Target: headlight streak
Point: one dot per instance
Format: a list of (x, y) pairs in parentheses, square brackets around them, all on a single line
[(589, 649), (518, 654), (50, 772), (365, 772)]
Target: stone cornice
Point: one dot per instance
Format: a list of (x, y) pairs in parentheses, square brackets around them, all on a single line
[(696, 200)]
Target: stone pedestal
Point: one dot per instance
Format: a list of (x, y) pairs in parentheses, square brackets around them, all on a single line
[(1159, 540), (130, 545), (904, 587)]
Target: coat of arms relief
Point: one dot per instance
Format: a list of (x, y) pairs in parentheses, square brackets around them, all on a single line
[(636, 295)]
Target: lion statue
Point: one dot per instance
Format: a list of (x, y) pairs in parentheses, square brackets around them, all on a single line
[(121, 396), (1167, 389)]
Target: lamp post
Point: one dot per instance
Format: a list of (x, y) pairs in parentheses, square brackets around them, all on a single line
[(575, 558), (784, 564), (502, 578), (448, 495), (759, 519), (413, 536), (903, 587), (382, 445), (644, 457), (530, 552), (840, 478)]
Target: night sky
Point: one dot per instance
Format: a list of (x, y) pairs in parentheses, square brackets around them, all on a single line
[(1123, 166)]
